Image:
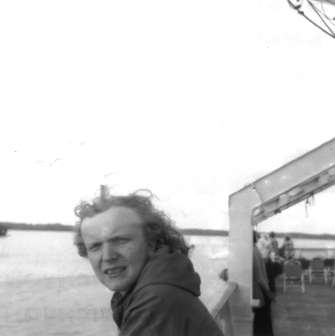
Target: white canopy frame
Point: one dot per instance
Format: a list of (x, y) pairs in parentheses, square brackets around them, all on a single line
[(269, 195)]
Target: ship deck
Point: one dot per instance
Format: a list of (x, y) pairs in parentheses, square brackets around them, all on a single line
[(304, 314)]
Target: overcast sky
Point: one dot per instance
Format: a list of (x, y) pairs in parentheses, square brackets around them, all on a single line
[(191, 99)]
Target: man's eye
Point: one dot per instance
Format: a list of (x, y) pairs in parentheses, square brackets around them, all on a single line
[(94, 248), (122, 240)]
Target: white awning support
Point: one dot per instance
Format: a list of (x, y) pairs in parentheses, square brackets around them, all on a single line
[(269, 195)]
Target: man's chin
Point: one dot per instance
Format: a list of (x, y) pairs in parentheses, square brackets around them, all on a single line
[(115, 286), (120, 284)]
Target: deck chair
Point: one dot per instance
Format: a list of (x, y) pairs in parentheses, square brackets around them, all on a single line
[(330, 274), (293, 275), (329, 270), (317, 270)]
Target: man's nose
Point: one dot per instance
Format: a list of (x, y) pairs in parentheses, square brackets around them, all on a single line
[(108, 251)]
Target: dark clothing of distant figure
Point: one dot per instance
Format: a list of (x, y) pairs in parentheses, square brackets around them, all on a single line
[(261, 292), (164, 301), (276, 266), (265, 248), (271, 274)]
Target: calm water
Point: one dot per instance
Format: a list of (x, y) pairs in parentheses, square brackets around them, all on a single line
[(48, 290), (28, 255)]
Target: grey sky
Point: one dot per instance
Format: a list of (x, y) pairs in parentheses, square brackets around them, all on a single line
[(190, 99)]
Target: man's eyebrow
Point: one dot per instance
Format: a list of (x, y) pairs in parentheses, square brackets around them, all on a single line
[(118, 237), (111, 239)]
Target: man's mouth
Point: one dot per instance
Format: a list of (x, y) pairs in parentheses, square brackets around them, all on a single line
[(114, 271)]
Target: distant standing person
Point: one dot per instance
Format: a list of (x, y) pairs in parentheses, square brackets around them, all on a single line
[(274, 255), (264, 246), (136, 252), (274, 243), (288, 248), (261, 292)]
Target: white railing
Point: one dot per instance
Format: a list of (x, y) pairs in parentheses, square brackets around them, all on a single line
[(309, 252), (221, 311)]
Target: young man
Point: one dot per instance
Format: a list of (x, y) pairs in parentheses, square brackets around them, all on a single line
[(136, 252)]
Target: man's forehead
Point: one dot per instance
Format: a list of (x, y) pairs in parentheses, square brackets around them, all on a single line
[(114, 220)]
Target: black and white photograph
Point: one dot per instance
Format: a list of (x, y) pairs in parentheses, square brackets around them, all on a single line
[(167, 168)]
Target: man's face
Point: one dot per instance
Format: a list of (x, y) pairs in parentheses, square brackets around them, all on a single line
[(116, 246)]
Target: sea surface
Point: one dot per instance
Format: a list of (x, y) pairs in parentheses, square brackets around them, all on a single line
[(46, 288), (27, 255)]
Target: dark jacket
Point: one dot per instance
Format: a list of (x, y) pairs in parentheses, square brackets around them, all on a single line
[(260, 282), (164, 301)]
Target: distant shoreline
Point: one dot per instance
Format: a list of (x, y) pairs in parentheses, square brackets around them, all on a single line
[(38, 227), (225, 233), (190, 232)]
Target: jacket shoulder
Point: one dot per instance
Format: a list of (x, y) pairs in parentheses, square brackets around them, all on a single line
[(173, 309)]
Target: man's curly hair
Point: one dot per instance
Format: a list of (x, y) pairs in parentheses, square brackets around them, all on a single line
[(157, 225)]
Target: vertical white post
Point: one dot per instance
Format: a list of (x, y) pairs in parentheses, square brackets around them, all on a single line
[(240, 258)]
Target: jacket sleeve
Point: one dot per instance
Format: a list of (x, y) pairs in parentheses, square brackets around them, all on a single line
[(156, 311)]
